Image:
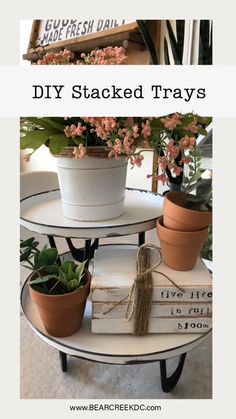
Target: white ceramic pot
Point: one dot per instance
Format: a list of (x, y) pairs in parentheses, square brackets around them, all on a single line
[(92, 188)]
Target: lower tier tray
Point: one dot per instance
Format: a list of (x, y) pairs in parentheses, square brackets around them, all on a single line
[(115, 349)]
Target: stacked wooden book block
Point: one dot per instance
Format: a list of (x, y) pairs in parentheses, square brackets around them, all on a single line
[(185, 307)]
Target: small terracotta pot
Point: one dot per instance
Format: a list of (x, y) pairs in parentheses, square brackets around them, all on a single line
[(62, 315), (179, 218), (180, 249)]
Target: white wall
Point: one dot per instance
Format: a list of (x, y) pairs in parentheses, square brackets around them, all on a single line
[(25, 29)]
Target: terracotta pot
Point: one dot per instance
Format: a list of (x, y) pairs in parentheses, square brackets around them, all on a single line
[(179, 218), (180, 249), (62, 315)]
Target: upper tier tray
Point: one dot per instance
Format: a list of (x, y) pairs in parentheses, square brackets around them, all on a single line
[(42, 213)]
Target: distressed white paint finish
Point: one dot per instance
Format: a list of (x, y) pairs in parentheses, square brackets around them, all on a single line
[(156, 325), (115, 271), (111, 311), (113, 276), (119, 349), (43, 214)]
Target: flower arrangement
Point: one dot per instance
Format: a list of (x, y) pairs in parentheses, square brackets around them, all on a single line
[(172, 136), (174, 139), (179, 158), (106, 56), (119, 136)]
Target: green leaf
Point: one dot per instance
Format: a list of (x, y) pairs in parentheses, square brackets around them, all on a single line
[(156, 123), (35, 245), (35, 139), (202, 131), (26, 243), (71, 273), (73, 283), (47, 257), (24, 256), (57, 142), (79, 272), (66, 264), (41, 279), (191, 166), (62, 274), (57, 123), (52, 269), (36, 260), (63, 282), (77, 141), (47, 124)]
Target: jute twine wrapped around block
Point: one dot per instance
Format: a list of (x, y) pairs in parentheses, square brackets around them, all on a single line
[(141, 293), (140, 297)]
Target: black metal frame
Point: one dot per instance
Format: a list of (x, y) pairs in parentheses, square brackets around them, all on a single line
[(148, 41), (87, 252), (167, 383)]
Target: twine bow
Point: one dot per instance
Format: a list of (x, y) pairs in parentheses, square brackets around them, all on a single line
[(140, 297)]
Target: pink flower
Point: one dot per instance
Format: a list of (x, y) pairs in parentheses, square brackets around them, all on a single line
[(136, 160), (192, 127), (80, 129), (71, 131), (146, 130), (105, 56), (187, 143), (58, 58), (163, 178), (177, 170), (185, 160), (163, 162), (79, 152), (135, 131), (171, 122), (172, 150), (118, 146)]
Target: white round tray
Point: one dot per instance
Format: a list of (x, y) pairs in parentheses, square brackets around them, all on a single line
[(42, 213), (114, 349)]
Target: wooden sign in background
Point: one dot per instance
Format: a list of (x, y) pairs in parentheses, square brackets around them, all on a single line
[(51, 31), (82, 36)]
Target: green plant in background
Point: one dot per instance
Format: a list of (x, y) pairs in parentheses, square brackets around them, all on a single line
[(174, 139), (192, 181), (206, 251), (51, 278)]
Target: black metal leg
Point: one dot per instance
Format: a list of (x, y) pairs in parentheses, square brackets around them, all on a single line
[(169, 383), (141, 238), (87, 249), (63, 359), (79, 253), (52, 241)]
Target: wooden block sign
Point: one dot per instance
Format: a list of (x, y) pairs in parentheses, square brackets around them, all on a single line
[(187, 309)]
